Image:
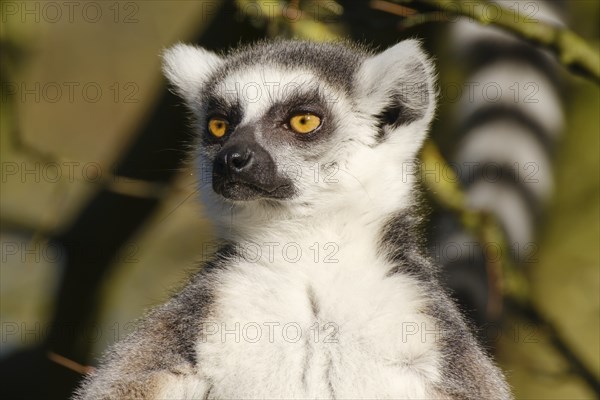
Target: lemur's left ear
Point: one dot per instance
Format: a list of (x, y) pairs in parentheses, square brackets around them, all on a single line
[(397, 87), (188, 69)]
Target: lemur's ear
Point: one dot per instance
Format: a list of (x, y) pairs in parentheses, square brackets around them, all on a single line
[(397, 87), (187, 68)]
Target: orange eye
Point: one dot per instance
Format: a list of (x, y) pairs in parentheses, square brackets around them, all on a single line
[(304, 123), (218, 126)]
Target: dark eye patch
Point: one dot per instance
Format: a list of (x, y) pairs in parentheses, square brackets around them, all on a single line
[(216, 106), (275, 122), (232, 111), (299, 102)]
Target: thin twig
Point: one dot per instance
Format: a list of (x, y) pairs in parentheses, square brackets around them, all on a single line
[(70, 364), (392, 8), (505, 277), (560, 343)]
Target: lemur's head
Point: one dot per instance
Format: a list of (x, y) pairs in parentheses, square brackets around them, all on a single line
[(300, 125)]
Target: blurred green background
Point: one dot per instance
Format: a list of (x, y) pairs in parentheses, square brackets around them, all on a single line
[(77, 87)]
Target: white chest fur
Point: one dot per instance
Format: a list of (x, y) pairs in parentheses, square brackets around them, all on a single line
[(318, 321)]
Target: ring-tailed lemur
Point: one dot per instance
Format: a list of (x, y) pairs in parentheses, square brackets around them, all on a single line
[(311, 150)]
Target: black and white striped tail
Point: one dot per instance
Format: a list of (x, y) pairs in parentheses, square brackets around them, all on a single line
[(509, 120)]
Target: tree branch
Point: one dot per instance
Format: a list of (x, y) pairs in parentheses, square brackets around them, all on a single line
[(571, 50), (505, 277)]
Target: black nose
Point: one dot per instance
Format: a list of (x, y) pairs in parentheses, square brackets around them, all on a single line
[(244, 170), (236, 159)]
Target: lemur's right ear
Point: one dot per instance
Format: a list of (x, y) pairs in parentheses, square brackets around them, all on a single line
[(187, 68)]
